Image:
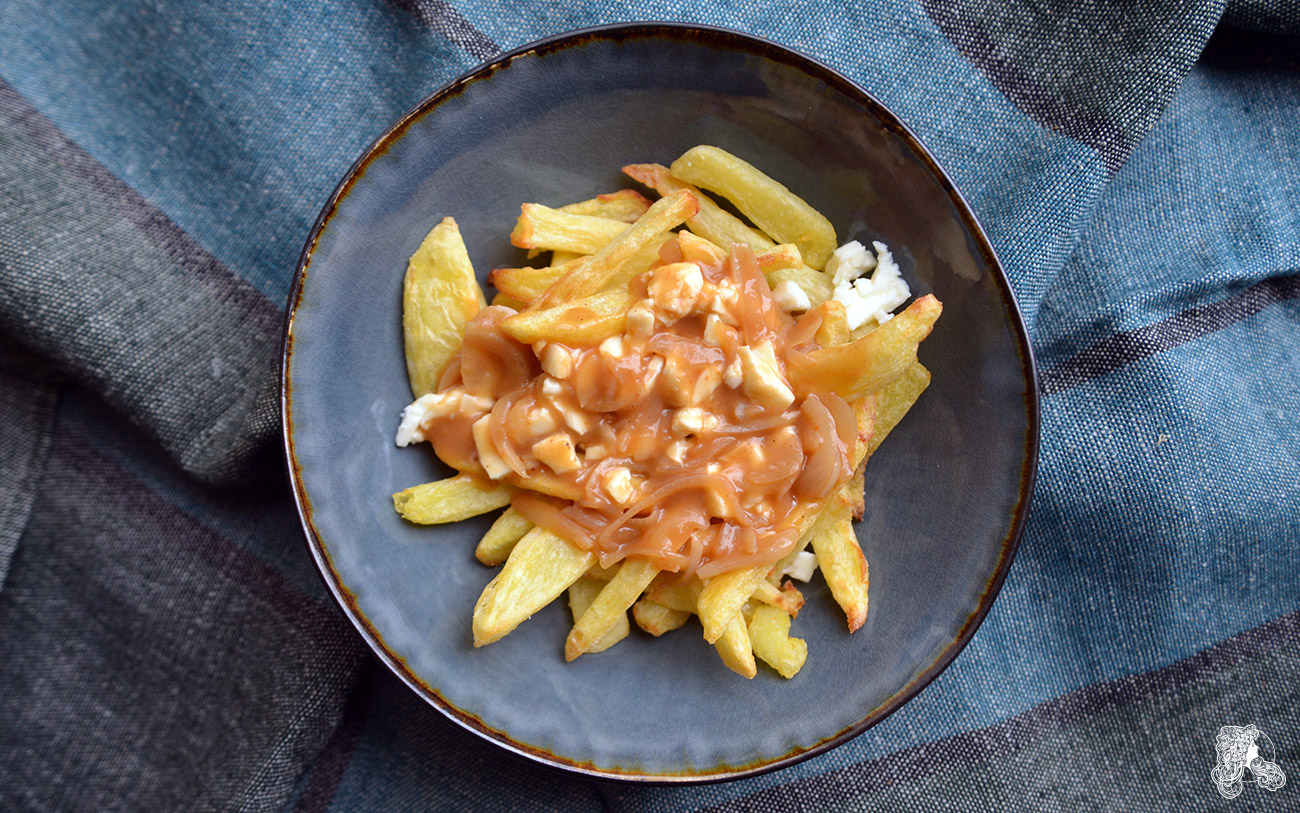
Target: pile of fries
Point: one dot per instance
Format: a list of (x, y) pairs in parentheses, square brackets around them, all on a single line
[(581, 298)]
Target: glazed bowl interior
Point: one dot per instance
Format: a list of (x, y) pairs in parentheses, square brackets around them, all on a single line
[(553, 123)]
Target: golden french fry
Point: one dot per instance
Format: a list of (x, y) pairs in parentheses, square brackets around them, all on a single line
[(783, 262), (835, 324), (440, 294), (540, 568), (495, 546), (581, 595), (528, 284), (769, 634), (734, 647), (696, 249), (787, 598), (681, 597), (581, 321), (865, 365), (594, 272), (562, 257), (767, 203), (541, 227), (451, 500), (894, 400), (626, 205), (845, 568), (656, 618), (723, 596), (615, 598), (508, 301), (711, 222), (864, 412)]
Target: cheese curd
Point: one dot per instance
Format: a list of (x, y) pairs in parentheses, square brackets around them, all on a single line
[(867, 298)]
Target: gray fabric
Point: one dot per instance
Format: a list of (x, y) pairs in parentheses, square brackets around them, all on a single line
[(129, 305), (27, 402)]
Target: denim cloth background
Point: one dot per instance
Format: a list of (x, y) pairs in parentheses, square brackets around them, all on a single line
[(164, 642)]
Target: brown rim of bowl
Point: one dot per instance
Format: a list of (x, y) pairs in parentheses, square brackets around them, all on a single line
[(752, 45)]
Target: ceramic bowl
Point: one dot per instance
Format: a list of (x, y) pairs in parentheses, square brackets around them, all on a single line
[(553, 122)]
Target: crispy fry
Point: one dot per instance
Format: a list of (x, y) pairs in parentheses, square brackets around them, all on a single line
[(612, 604), (581, 321), (845, 568), (723, 597), (834, 329), (528, 284), (769, 634), (540, 568), (783, 262), (543, 228), (495, 546), (696, 249), (680, 597), (767, 203), (592, 273), (734, 647), (508, 301), (711, 222), (581, 595), (440, 294), (865, 365), (786, 598), (451, 500), (626, 205), (656, 618)]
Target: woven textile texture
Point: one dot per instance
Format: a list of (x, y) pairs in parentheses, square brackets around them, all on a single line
[(165, 643)]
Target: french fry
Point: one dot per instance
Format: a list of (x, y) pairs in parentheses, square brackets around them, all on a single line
[(681, 597), (528, 284), (626, 205), (863, 366), (845, 569), (495, 546), (767, 203), (562, 257), (611, 605), (592, 273), (581, 321), (769, 634), (787, 598), (723, 596), (451, 500), (696, 249), (508, 301), (540, 568), (543, 228), (894, 400), (711, 222), (783, 262), (656, 618), (581, 595), (439, 295), (734, 647), (834, 328)]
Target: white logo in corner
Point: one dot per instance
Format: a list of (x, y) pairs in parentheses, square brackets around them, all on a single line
[(1242, 751)]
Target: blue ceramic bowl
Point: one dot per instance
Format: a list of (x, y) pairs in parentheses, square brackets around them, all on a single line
[(553, 122)]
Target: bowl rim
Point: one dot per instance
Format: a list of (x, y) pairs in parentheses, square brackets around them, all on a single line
[(707, 36)]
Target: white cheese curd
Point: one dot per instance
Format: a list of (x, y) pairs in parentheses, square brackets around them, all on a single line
[(849, 261), (762, 376), (790, 298), (868, 298), (802, 566), (408, 431)]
